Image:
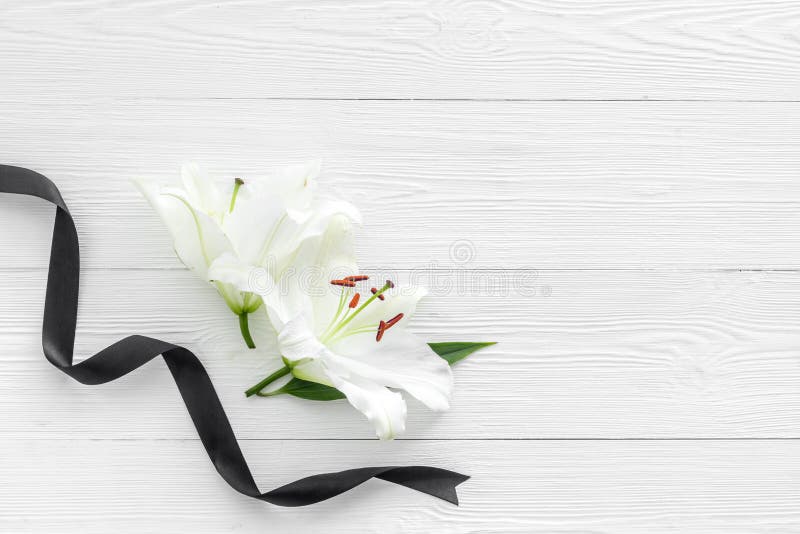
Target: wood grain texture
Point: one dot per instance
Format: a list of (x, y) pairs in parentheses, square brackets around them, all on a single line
[(519, 184), (516, 487), (594, 354), (609, 189), (613, 49)]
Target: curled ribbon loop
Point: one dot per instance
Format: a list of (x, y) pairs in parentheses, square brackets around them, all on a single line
[(194, 384)]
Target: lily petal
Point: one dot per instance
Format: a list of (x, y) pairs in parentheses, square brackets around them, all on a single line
[(295, 185), (385, 409), (331, 256), (197, 239), (401, 360), (323, 210), (298, 342), (201, 191), (254, 226), (229, 269), (329, 220)]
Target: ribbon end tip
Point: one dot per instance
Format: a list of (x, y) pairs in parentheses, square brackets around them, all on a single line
[(452, 495)]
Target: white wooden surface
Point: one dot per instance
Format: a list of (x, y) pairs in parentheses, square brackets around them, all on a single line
[(608, 189)]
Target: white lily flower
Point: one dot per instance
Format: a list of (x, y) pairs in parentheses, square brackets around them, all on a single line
[(262, 222), (344, 334)]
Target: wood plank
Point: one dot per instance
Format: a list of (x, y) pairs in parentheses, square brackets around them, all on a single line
[(607, 354), (516, 487), (520, 185), (629, 49)]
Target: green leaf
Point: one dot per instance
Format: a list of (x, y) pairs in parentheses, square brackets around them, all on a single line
[(310, 390), (452, 352), (455, 351)]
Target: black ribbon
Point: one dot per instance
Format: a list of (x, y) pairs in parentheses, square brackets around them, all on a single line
[(194, 384)]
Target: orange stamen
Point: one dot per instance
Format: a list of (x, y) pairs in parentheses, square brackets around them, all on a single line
[(345, 283), (394, 320), (354, 300), (381, 330), (357, 278)]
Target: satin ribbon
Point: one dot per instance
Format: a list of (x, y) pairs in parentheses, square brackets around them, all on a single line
[(194, 384)]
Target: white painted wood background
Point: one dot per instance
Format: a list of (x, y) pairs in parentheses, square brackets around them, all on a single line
[(625, 170)]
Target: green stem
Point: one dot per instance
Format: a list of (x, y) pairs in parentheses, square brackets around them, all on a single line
[(267, 381), (270, 393), (244, 326)]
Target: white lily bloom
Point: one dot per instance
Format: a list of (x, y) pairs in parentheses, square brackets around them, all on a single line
[(261, 222), (342, 334)]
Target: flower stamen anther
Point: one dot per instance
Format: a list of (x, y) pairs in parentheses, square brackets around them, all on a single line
[(381, 330), (383, 326), (394, 320)]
